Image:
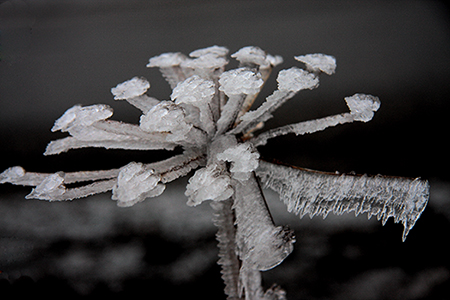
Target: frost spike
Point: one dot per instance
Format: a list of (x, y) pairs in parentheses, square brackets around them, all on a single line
[(401, 198)]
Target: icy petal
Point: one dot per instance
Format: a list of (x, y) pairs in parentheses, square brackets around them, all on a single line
[(213, 50), (362, 106), (50, 188), (240, 81), (318, 62), (209, 183), (134, 87), (166, 116), (12, 174), (82, 116), (166, 60), (193, 90), (295, 79), (244, 160), (135, 182)]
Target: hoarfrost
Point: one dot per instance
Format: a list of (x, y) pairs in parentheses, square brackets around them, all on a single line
[(209, 119)]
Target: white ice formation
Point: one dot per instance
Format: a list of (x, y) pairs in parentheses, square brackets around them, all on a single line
[(208, 116)]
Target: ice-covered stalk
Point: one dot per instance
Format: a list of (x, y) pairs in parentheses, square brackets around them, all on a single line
[(362, 108)]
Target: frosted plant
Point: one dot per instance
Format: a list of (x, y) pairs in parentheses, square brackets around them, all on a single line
[(209, 117)]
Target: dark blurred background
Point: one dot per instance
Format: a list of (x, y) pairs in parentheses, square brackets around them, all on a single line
[(55, 54)]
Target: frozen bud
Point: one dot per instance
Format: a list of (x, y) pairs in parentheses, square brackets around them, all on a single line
[(318, 62), (82, 116), (135, 183), (240, 81), (166, 60), (50, 188), (295, 79), (193, 89), (11, 174), (213, 50), (134, 87), (362, 106), (244, 160), (208, 183), (163, 117)]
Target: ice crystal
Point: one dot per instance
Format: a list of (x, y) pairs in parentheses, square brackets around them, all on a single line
[(208, 116)]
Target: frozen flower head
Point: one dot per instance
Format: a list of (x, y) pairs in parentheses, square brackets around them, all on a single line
[(210, 120)]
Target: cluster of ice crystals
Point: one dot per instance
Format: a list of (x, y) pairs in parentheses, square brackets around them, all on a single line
[(12, 174), (82, 116), (363, 106), (131, 88), (318, 62), (244, 160), (295, 79), (240, 81), (52, 186), (166, 60), (209, 183), (135, 183), (208, 117), (167, 117), (252, 55)]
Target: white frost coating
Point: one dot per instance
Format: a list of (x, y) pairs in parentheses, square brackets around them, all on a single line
[(50, 188), (135, 183), (82, 116), (209, 183), (362, 106), (318, 62), (134, 87), (295, 80), (240, 81), (166, 60), (317, 193), (244, 160)]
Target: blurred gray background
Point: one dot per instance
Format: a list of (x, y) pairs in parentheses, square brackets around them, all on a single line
[(55, 54)]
